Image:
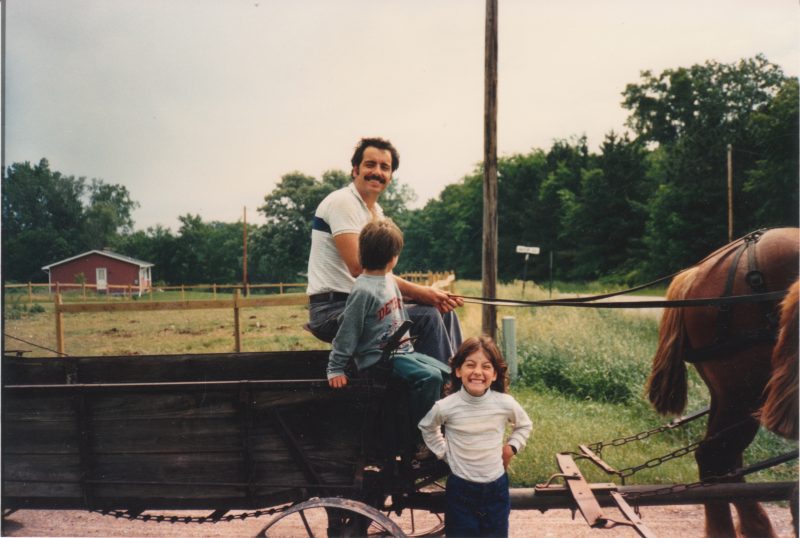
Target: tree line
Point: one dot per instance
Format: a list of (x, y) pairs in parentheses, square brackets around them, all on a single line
[(647, 203)]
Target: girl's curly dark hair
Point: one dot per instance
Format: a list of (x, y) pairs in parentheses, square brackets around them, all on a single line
[(489, 348)]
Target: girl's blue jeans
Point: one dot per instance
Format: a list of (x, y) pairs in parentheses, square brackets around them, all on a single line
[(474, 509)]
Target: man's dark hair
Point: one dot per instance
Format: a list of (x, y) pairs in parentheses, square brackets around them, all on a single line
[(380, 143), (379, 241)]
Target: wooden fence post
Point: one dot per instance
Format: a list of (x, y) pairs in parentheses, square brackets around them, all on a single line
[(30, 294), (214, 290), (59, 324), (183, 293), (237, 332)]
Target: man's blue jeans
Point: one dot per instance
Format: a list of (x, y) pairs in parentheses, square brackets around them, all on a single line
[(474, 509)]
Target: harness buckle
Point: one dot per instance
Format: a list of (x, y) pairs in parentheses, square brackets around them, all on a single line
[(755, 279)]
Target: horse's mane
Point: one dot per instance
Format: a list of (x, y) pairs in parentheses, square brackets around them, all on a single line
[(780, 413)]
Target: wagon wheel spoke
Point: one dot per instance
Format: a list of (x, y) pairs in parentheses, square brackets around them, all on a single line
[(305, 524)]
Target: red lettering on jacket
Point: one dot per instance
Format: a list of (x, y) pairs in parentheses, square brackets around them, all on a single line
[(389, 307)]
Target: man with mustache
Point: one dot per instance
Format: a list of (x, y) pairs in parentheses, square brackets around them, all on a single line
[(334, 264)]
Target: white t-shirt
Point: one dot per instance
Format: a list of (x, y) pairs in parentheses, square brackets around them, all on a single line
[(342, 211)]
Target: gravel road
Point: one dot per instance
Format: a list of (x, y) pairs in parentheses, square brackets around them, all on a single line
[(684, 521)]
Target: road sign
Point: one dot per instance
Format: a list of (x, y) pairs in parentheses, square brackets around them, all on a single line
[(522, 249), (527, 250)]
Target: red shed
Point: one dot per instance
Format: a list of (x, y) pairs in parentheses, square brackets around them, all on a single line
[(102, 268)]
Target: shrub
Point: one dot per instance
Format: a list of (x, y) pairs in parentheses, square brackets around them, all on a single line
[(592, 376)]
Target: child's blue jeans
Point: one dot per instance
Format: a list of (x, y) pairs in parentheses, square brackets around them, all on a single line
[(475, 509), (424, 376)]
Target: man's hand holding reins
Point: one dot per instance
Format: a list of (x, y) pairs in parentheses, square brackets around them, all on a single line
[(444, 302)]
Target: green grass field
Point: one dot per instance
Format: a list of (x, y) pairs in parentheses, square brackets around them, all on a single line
[(581, 371)]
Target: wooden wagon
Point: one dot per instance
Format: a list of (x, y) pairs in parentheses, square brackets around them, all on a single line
[(142, 436), (216, 432)]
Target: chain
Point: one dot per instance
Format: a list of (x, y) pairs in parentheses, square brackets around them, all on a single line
[(712, 480), (655, 462), (668, 490), (597, 448), (161, 518)]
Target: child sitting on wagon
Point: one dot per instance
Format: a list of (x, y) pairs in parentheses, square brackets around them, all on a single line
[(373, 313)]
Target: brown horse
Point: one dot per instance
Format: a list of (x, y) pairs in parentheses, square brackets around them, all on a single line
[(731, 348)]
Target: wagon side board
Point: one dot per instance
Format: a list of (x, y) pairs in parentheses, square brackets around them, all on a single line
[(194, 431)]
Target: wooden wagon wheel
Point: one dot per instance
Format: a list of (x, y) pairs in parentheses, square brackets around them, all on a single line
[(357, 517)]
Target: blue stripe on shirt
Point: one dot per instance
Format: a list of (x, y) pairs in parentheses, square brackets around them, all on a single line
[(320, 225)]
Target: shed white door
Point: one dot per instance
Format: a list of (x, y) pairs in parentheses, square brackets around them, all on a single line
[(100, 278)]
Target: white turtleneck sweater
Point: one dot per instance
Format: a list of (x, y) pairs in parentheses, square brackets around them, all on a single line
[(474, 430)]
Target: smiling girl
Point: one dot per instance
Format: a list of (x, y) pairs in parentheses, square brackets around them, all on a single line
[(475, 416)]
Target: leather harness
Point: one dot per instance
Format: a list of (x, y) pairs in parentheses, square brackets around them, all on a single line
[(724, 340)]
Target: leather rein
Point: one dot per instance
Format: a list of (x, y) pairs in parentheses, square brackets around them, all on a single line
[(724, 340)]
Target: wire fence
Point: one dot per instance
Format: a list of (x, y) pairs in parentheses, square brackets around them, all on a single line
[(35, 292), (86, 298)]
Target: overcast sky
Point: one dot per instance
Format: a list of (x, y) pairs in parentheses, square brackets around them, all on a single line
[(200, 106)]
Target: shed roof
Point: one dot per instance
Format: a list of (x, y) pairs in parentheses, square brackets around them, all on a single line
[(106, 253)]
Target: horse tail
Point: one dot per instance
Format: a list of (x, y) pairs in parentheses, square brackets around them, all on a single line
[(780, 413), (667, 387)]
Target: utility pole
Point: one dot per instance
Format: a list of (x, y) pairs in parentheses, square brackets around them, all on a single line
[(489, 265), (730, 193), (244, 250)]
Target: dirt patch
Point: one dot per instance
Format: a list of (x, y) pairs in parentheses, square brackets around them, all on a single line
[(666, 521)]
